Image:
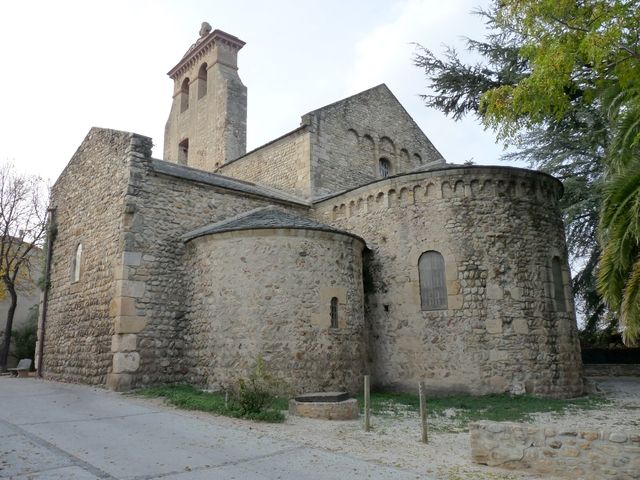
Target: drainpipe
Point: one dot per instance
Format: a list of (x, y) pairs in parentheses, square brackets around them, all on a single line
[(45, 293)]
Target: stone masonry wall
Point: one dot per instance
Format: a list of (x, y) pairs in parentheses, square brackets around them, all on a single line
[(281, 164), (350, 136), (149, 345), (89, 201), (578, 453), (268, 293), (498, 230)]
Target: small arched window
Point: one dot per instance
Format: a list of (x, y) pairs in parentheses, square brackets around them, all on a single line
[(334, 312), (77, 262), (183, 152), (202, 81), (433, 282), (384, 167), (184, 95), (558, 285)]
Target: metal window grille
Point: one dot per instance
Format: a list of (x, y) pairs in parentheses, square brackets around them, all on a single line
[(384, 167), (433, 282)]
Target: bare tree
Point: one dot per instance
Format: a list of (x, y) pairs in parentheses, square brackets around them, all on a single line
[(23, 223)]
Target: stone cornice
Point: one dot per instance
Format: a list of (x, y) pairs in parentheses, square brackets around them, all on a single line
[(201, 47)]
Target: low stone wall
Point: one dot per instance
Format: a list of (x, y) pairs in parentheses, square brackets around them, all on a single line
[(571, 453), (611, 370), (345, 410)]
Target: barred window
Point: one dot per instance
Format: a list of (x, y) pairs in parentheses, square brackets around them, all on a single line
[(334, 312), (558, 285), (384, 167), (433, 284)]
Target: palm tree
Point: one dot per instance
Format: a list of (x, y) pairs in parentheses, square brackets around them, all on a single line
[(619, 268)]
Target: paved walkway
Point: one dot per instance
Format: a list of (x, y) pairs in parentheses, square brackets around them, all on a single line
[(59, 431)]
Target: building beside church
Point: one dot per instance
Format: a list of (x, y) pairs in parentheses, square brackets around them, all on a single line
[(346, 246)]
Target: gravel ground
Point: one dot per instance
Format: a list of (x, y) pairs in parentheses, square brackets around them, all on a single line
[(395, 441)]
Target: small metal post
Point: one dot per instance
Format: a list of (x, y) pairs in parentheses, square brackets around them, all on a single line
[(423, 411)]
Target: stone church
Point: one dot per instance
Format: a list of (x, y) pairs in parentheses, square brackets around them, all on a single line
[(346, 246)]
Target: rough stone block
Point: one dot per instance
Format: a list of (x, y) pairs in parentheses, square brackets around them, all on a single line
[(119, 382), (123, 306), (498, 383), (618, 437), (455, 302), (126, 362), (493, 325), (494, 292), (131, 288), (132, 258), (520, 326), (495, 427), (570, 452), (129, 324), (124, 342)]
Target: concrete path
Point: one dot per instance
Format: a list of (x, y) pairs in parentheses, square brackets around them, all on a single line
[(59, 431)]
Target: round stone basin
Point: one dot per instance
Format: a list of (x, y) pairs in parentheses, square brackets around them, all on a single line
[(325, 406)]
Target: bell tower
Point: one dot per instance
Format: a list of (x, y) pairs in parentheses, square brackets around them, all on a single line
[(207, 126)]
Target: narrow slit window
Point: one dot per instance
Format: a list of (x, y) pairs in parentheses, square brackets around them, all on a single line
[(77, 262), (334, 312), (433, 282), (558, 285)]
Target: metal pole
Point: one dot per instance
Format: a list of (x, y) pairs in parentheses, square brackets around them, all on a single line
[(423, 411)]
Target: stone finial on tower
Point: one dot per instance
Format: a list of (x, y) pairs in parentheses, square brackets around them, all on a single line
[(207, 126), (205, 29)]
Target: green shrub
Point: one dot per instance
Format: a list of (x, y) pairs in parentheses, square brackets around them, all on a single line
[(256, 394), (253, 397)]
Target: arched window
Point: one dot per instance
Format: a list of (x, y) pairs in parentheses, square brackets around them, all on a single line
[(384, 167), (433, 282), (184, 95), (202, 81), (558, 285), (334, 312), (77, 262)]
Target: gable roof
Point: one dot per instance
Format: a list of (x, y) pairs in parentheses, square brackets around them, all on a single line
[(381, 87), (261, 219)]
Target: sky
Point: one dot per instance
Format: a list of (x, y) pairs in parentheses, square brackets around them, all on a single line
[(70, 65)]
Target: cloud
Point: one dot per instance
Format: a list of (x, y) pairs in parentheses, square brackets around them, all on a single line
[(384, 55)]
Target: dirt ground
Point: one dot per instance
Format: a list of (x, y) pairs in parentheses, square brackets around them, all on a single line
[(395, 441)]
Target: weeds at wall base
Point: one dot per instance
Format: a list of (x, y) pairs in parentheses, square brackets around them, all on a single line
[(189, 398)]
